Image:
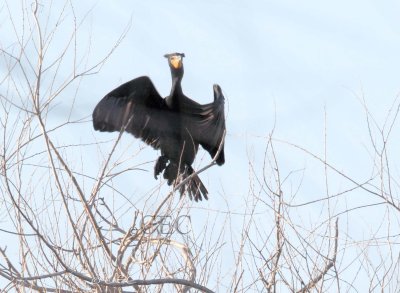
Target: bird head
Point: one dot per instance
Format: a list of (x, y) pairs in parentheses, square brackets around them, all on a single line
[(175, 60)]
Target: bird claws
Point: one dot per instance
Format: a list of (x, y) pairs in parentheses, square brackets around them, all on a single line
[(160, 165)]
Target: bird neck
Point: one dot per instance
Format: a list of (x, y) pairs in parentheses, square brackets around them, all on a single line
[(176, 88), (175, 97)]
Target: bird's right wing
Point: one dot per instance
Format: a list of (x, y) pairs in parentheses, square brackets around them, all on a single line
[(135, 107)]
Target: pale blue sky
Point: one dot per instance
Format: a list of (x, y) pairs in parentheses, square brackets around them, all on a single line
[(270, 58)]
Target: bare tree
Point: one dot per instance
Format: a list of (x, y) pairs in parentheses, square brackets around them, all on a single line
[(63, 230), (69, 237)]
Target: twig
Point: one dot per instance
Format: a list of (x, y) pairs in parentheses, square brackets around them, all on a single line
[(328, 266)]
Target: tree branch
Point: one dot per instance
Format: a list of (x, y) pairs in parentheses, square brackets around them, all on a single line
[(328, 266)]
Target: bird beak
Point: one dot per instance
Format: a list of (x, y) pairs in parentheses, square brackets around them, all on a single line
[(176, 61)]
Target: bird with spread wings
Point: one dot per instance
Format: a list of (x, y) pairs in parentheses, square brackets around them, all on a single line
[(175, 125)]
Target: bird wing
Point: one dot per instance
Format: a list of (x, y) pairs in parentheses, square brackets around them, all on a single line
[(135, 107), (206, 124)]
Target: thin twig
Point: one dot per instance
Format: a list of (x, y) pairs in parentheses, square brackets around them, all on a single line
[(327, 267)]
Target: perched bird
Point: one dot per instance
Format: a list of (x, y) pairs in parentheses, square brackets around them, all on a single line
[(176, 125)]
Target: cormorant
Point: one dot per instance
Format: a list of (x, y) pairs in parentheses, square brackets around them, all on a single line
[(176, 124)]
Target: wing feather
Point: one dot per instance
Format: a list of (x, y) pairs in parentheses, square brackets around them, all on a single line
[(206, 123), (135, 107)]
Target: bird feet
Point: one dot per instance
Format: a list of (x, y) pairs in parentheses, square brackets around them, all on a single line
[(160, 165), (171, 173)]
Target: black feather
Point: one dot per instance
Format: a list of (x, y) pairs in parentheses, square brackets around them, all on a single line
[(176, 125)]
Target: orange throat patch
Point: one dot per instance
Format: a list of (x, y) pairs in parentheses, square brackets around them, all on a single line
[(176, 62)]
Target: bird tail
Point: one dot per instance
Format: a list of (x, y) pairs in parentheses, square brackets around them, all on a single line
[(194, 187)]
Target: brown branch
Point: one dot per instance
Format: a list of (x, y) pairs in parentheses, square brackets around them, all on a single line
[(50, 146), (359, 185), (23, 281), (313, 282)]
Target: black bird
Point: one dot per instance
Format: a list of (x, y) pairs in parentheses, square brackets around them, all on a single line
[(176, 124)]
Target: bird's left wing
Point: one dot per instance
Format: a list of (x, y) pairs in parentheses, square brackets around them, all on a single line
[(206, 124)]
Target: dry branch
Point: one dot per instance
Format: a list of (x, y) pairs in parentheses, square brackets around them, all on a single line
[(331, 262)]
